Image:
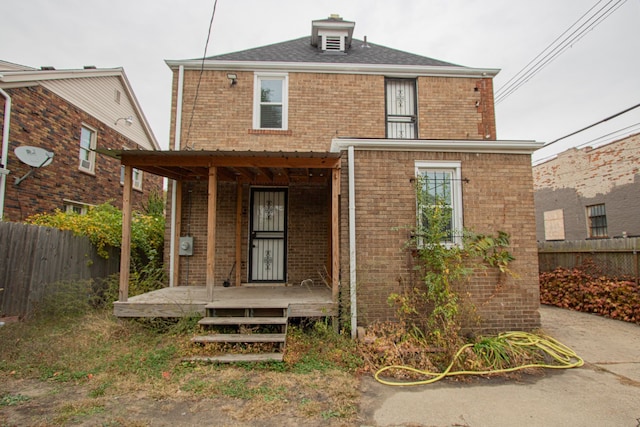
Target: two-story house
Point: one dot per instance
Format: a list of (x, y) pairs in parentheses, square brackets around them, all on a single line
[(293, 166), (67, 115)]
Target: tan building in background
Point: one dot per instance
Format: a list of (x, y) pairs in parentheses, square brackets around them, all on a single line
[(589, 193)]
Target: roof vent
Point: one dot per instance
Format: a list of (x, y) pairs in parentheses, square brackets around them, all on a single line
[(47, 68), (332, 34), (89, 67)]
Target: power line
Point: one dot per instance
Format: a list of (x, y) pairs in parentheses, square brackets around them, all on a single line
[(592, 125), (550, 53), (204, 56)]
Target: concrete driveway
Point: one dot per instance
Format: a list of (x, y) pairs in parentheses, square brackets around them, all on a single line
[(604, 392)]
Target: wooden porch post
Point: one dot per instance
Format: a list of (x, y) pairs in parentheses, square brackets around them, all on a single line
[(125, 247), (335, 232), (178, 228), (238, 231), (211, 231)]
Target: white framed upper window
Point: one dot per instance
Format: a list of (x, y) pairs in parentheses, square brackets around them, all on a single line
[(72, 206), (136, 178), (87, 154), (270, 102), (441, 184)]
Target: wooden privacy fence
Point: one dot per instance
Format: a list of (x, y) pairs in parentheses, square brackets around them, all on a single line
[(614, 257), (33, 257)]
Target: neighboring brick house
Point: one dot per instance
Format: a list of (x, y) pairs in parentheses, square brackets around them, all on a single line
[(69, 113), (296, 162), (589, 193)]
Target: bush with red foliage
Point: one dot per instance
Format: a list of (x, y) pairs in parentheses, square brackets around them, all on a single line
[(582, 290)]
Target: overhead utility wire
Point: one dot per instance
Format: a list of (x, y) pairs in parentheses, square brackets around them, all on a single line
[(506, 85), (591, 125), (571, 39), (631, 128), (547, 56), (558, 50), (204, 56)]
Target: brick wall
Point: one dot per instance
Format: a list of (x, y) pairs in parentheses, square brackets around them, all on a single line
[(385, 205), (43, 119), (326, 106), (307, 238), (578, 178)]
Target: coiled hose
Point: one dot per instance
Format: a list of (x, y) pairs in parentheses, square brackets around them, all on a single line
[(564, 356)]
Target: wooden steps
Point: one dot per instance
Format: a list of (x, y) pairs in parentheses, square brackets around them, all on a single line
[(236, 338), (233, 358), (228, 321), (261, 328)]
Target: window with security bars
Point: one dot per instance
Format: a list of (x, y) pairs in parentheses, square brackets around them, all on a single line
[(401, 110), (597, 221), (270, 106), (440, 191)]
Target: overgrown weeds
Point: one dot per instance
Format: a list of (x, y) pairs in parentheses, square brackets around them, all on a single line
[(87, 348)]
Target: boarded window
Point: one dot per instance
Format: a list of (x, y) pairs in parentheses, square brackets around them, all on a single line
[(554, 225)]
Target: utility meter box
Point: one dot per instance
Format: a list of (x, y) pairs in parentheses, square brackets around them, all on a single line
[(186, 246)]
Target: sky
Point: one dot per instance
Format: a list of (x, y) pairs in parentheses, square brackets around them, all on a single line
[(594, 78)]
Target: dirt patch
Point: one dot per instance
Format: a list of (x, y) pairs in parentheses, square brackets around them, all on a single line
[(44, 403)]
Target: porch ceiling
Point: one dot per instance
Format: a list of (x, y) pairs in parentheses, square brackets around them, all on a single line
[(245, 166)]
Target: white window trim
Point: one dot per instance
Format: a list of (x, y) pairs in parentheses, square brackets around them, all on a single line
[(456, 191), (92, 146), (285, 98), (70, 204), (136, 178)]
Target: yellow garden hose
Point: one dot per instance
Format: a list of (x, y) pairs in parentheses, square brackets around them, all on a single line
[(563, 355)]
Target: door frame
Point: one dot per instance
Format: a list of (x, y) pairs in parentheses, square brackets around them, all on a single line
[(250, 272)]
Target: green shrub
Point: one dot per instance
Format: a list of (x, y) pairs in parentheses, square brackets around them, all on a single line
[(102, 224)]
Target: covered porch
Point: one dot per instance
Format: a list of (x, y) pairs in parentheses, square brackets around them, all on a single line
[(181, 301), (224, 243)]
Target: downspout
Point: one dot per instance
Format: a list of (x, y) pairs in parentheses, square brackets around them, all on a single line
[(176, 147), (4, 171), (352, 244)]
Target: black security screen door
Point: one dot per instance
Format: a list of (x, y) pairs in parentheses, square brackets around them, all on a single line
[(268, 235)]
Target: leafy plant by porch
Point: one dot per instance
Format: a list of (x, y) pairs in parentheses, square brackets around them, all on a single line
[(102, 224)]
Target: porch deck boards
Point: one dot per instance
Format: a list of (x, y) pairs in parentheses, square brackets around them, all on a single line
[(184, 301)]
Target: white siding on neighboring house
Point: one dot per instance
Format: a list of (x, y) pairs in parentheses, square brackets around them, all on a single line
[(97, 96)]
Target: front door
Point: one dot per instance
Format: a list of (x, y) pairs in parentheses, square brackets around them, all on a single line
[(268, 241)]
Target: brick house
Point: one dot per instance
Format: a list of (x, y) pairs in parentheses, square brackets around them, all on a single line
[(294, 164), (69, 113), (589, 193)]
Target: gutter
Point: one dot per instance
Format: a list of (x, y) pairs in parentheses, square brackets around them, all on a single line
[(176, 147), (352, 245), (439, 145), (4, 172), (338, 68)]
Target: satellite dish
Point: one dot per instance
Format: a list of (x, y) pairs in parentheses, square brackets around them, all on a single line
[(34, 156)]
